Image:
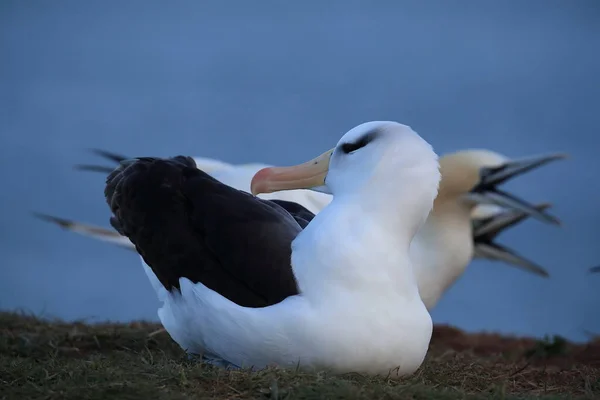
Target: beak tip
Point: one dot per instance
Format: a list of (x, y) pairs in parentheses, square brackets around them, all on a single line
[(254, 190), (258, 183)]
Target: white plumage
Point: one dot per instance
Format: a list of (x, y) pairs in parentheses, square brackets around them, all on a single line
[(359, 308)]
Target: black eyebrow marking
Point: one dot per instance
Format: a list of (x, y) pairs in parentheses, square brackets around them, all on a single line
[(361, 142)]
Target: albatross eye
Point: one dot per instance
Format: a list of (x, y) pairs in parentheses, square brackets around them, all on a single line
[(360, 143)]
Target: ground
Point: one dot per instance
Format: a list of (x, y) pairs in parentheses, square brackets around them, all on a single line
[(55, 360)]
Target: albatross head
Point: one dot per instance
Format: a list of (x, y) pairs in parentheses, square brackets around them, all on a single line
[(379, 161)]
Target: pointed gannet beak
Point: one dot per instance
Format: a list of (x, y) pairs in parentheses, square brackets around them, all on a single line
[(510, 169), (486, 191), (309, 175), (490, 227)]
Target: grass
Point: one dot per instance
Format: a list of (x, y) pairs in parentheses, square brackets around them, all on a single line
[(56, 360)]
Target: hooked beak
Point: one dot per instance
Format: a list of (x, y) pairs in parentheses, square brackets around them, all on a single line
[(309, 175), (486, 230), (486, 191)]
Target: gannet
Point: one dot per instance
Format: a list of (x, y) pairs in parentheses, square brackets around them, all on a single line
[(469, 179), (349, 302)]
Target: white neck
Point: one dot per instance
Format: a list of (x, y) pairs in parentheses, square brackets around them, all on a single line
[(357, 248)]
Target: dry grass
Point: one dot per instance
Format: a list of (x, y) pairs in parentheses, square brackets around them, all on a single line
[(56, 360)]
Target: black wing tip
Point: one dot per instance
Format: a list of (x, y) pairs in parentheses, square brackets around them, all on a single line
[(64, 223), (544, 274), (560, 156), (115, 157), (130, 161), (553, 220), (93, 168), (543, 206), (595, 269), (125, 161), (108, 154)]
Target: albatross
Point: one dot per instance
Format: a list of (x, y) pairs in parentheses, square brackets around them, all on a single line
[(469, 213), (243, 281)]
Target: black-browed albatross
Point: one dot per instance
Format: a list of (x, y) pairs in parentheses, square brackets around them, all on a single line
[(358, 307)]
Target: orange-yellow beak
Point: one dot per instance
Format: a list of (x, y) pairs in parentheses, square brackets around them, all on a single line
[(308, 175)]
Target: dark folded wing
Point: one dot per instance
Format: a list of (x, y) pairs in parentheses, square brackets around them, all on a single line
[(300, 213), (184, 223)]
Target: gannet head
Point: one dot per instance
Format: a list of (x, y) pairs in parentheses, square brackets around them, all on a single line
[(470, 201), (473, 176)]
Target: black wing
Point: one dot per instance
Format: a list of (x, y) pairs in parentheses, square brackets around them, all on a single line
[(299, 212), (184, 223), (114, 157)]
